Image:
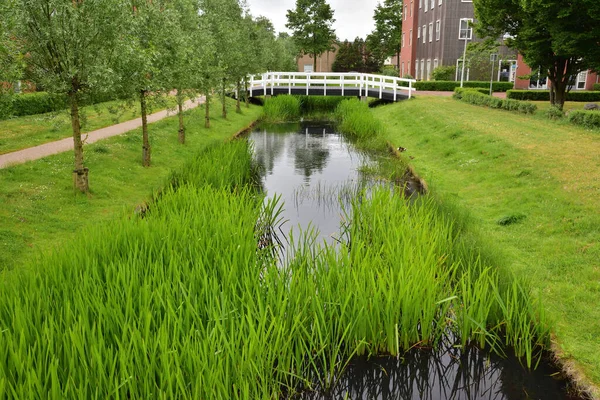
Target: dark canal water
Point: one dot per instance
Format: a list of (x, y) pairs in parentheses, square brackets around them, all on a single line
[(312, 167)]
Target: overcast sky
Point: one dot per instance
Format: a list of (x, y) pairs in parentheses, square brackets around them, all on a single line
[(353, 17)]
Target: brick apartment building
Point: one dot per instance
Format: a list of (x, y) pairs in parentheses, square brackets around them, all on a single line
[(583, 81), (434, 33)]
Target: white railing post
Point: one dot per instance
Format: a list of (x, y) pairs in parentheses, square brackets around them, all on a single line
[(410, 89), (264, 82), (381, 81), (342, 81), (325, 85), (395, 89), (251, 84), (307, 82), (290, 84), (272, 82)]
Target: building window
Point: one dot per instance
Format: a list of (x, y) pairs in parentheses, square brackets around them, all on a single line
[(410, 37), (581, 79), (431, 32), (412, 6), (418, 32), (440, 2), (432, 4), (408, 70), (437, 29), (426, 4), (422, 69), (435, 63), (428, 69), (403, 36), (424, 33), (405, 12), (465, 31), (420, 4)]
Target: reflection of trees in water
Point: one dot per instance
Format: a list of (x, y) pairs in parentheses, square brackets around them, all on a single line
[(448, 373), (267, 148), (310, 151)]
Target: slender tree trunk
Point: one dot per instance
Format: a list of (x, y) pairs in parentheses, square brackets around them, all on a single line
[(224, 112), (207, 110), (559, 77), (246, 94), (146, 151), (238, 108), (181, 131), (80, 173), (315, 62)]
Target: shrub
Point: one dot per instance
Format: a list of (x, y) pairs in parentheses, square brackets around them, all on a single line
[(544, 95), (448, 86), (408, 76), (37, 103), (475, 97), (554, 113), (390, 71), (596, 87), (588, 119), (443, 73), (458, 91)]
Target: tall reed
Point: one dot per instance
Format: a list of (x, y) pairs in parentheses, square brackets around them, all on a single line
[(282, 109)]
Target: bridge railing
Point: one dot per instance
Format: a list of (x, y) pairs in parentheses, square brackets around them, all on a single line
[(351, 80)]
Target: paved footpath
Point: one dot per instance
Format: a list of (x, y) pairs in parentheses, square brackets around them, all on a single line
[(60, 146), (501, 95)]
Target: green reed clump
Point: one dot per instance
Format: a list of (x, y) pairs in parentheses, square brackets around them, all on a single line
[(282, 109), (319, 104), (355, 119)]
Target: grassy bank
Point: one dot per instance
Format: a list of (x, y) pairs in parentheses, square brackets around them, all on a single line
[(23, 132), (292, 108), (531, 187), (40, 209), (185, 301)]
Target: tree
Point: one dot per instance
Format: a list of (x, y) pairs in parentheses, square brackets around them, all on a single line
[(560, 37), (311, 23), (385, 40), (11, 60), (355, 56), (70, 45)]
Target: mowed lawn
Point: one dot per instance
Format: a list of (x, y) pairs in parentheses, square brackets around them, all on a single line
[(542, 175), (40, 209), (32, 130)]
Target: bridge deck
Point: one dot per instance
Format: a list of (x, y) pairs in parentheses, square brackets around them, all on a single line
[(327, 91)]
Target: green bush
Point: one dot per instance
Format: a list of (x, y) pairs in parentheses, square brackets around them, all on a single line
[(458, 91), (448, 86), (544, 95), (596, 87), (554, 113), (37, 103), (475, 97), (443, 73), (390, 71), (588, 119)]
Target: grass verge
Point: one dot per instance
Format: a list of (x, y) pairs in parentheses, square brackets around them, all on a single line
[(40, 209), (33, 130), (540, 176)]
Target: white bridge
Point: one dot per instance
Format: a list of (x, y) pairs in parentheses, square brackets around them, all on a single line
[(331, 84)]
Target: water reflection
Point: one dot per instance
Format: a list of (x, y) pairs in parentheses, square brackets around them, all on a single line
[(448, 373), (309, 165)]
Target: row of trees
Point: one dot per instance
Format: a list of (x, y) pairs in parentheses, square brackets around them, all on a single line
[(136, 49)]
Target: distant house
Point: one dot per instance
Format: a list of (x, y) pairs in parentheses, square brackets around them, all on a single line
[(529, 78), (324, 61)]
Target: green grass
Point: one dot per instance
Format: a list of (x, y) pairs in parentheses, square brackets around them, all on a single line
[(23, 132), (541, 176), (40, 210)]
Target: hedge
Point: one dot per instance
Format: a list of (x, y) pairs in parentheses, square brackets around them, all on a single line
[(37, 103), (480, 99), (40, 102), (596, 87), (544, 95), (459, 91), (448, 86), (589, 119)]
